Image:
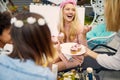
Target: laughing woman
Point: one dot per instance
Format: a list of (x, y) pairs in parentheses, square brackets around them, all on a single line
[(72, 31)]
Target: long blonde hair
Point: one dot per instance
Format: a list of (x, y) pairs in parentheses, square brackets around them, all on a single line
[(74, 27), (112, 14)]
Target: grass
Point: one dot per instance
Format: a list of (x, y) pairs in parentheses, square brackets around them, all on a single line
[(88, 20)]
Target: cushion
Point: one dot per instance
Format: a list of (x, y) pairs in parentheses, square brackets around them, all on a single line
[(98, 31)]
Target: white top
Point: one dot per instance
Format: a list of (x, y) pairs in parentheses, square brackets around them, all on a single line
[(110, 62), (7, 49)]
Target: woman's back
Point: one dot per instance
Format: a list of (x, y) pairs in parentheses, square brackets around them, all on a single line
[(14, 69), (32, 49)]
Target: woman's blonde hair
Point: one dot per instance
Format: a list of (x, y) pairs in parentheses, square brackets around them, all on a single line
[(74, 27), (112, 15)]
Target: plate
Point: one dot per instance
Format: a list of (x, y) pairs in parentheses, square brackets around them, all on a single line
[(65, 49)]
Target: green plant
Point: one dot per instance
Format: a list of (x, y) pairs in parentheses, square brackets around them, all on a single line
[(13, 8), (25, 8), (88, 20)]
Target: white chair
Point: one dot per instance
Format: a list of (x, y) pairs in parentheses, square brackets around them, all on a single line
[(98, 8), (3, 6)]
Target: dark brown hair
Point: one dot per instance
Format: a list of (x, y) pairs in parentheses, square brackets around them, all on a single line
[(32, 41), (5, 18)]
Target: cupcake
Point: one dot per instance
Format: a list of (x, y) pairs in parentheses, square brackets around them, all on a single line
[(78, 47), (73, 49)]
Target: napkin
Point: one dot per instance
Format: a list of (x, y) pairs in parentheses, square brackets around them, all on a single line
[(55, 69), (68, 57)]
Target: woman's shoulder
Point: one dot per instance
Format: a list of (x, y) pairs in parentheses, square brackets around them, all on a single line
[(3, 57), (28, 68)]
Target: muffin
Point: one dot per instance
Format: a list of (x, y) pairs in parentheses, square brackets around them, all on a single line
[(78, 46), (73, 50)]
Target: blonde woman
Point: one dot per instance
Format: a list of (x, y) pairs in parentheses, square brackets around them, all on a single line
[(112, 15), (69, 25)]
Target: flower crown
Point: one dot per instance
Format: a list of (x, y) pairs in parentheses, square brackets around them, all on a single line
[(66, 2), (30, 20)]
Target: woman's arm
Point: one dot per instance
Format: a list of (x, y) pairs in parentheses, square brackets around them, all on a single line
[(82, 34), (91, 53), (64, 63), (110, 62)]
